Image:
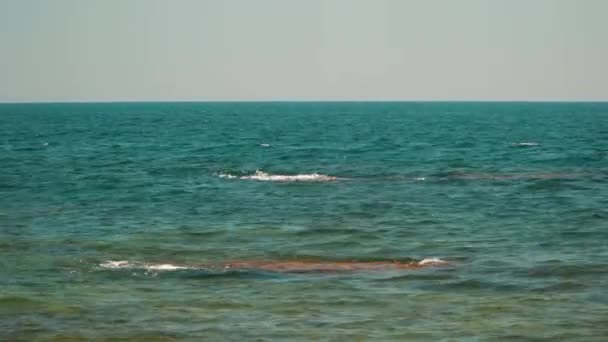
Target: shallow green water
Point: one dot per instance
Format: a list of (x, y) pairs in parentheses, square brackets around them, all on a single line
[(113, 215)]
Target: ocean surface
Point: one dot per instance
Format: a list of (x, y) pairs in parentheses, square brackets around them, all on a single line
[(120, 221)]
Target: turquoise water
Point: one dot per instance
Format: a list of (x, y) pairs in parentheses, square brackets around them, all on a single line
[(116, 220)]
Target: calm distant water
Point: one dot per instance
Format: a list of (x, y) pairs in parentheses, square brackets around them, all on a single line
[(110, 215)]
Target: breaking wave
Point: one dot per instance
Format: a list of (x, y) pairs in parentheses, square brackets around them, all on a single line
[(264, 176), (276, 266), (123, 264), (438, 177), (432, 261)]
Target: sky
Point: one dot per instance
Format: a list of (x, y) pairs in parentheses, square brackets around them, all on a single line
[(299, 50)]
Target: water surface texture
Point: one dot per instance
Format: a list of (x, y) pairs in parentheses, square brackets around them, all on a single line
[(124, 221)]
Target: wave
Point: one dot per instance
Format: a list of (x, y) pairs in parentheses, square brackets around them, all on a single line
[(432, 261), (287, 266), (264, 176), (437, 177), (198, 271), (525, 144), (123, 264)]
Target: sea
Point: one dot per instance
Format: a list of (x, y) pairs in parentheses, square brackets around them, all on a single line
[(120, 221)]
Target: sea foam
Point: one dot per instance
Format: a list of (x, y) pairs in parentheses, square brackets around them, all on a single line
[(278, 266), (122, 264), (432, 261), (115, 264), (525, 144), (267, 177)]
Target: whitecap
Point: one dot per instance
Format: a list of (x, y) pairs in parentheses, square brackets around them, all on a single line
[(165, 267), (122, 264), (309, 177), (265, 145), (525, 144), (115, 264), (432, 261)]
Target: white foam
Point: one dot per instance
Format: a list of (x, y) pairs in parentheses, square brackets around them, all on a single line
[(432, 261), (525, 144), (115, 264), (310, 177), (420, 178), (265, 145), (165, 267), (110, 264), (227, 175)]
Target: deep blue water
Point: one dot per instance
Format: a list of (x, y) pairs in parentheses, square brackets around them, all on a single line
[(113, 215)]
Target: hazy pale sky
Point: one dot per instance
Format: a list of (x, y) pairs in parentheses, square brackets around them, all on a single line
[(115, 50)]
